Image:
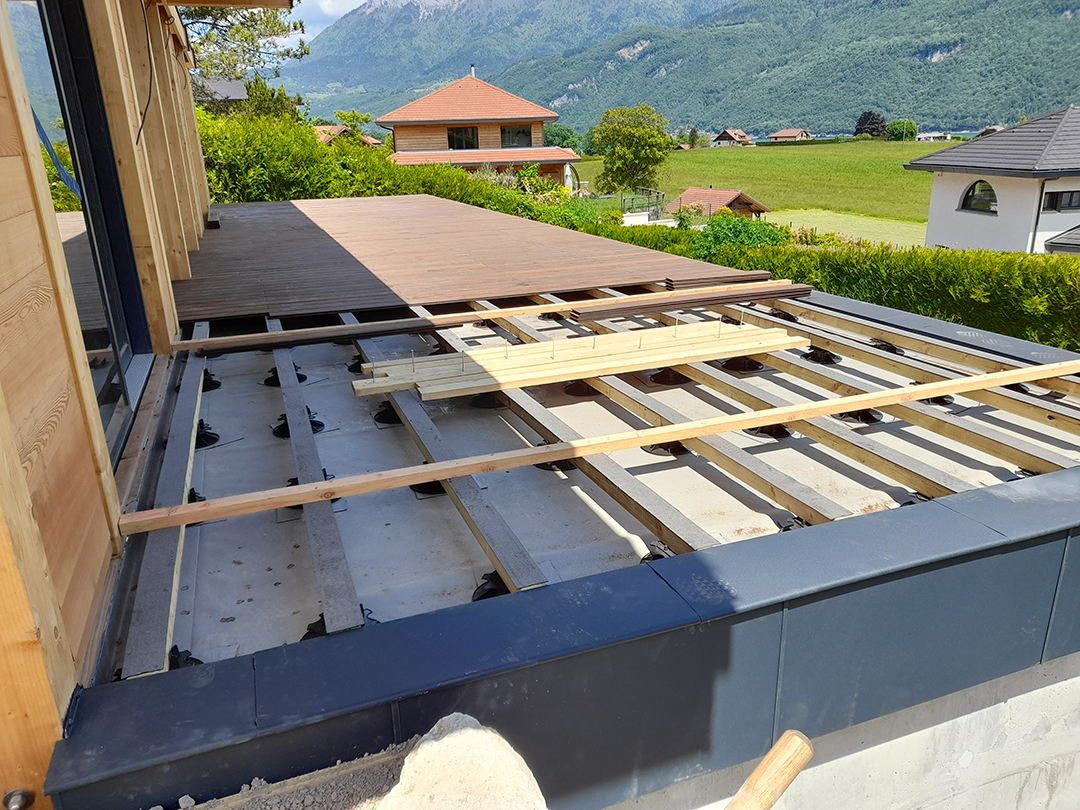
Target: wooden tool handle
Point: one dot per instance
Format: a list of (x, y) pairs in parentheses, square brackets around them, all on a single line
[(774, 773)]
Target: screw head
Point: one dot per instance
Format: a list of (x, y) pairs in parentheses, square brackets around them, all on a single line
[(18, 799)]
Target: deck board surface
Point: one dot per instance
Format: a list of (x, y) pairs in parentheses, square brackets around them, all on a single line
[(284, 259)]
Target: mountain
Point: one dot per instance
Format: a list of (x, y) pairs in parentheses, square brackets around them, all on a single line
[(758, 65), (389, 51), (765, 64)]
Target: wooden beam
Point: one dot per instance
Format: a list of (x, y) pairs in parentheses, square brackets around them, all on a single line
[(153, 132), (501, 545), (149, 637), (920, 476), (166, 67), (1044, 412), (965, 356), (510, 459), (328, 334), (449, 380), (114, 70), (1008, 447), (978, 435), (341, 607), (745, 467)]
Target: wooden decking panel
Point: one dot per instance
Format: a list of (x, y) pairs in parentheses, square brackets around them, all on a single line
[(313, 256)]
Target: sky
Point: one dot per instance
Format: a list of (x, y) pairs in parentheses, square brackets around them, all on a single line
[(318, 14)]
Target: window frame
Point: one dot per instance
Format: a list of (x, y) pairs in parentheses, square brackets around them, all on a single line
[(971, 192), (518, 129), (1065, 200), (462, 133)]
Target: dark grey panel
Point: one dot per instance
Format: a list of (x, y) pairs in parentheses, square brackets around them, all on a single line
[(1029, 507), (389, 661), (767, 570), (869, 650), (958, 333), (150, 721), (633, 718), (1064, 636)]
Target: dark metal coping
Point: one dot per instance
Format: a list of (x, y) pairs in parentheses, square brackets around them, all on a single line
[(624, 682), (1069, 241), (620, 684)]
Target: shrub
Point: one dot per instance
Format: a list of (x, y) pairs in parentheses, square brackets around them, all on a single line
[(611, 217), (63, 198), (730, 229), (863, 136)]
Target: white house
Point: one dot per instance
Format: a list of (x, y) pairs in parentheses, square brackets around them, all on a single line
[(1017, 189)]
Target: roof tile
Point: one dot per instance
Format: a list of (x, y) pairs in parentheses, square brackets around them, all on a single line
[(468, 100)]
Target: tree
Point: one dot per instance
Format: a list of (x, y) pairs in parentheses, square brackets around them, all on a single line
[(692, 138), (634, 146), (233, 43), (562, 135), (263, 100), (902, 129), (871, 123)]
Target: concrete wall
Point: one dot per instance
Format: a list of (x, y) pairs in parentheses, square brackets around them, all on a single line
[(1009, 229), (1051, 223), (1009, 743)]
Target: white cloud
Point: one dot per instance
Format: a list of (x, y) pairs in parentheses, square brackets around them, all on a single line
[(318, 14)]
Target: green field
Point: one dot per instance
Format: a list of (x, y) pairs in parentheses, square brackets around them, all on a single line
[(897, 232), (866, 177)]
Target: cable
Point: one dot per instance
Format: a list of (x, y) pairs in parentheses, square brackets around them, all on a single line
[(150, 57)]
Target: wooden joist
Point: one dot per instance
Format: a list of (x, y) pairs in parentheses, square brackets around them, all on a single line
[(150, 634), (510, 459), (777, 486), (977, 435), (459, 376), (673, 528), (430, 323), (963, 356), (716, 274), (501, 545), (340, 606), (1041, 411), (628, 307), (918, 475)]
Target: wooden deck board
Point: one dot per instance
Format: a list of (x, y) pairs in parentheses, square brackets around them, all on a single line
[(284, 259)]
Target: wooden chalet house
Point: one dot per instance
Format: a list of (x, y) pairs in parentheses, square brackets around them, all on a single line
[(469, 123), (732, 137)]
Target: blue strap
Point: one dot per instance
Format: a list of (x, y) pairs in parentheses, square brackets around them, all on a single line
[(65, 175)]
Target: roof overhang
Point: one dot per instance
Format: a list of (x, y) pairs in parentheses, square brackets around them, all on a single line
[(496, 157), (1036, 174), (387, 123), (235, 3)]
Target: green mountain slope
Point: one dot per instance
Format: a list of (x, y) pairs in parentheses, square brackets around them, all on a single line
[(755, 64), (389, 46), (765, 64)]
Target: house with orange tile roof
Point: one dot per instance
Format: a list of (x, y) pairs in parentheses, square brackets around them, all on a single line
[(469, 123), (712, 200)]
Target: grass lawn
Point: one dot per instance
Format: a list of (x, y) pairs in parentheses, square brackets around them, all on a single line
[(865, 177), (898, 233)]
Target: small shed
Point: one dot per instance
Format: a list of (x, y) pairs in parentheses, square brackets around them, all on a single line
[(712, 200)]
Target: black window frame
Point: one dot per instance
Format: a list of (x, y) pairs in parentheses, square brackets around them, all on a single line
[(972, 195), (71, 54), (462, 138), (514, 131), (1062, 200)]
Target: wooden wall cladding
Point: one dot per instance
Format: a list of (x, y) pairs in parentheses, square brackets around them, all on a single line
[(58, 503)]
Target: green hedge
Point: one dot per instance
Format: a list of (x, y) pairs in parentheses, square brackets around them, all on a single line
[(1032, 297)]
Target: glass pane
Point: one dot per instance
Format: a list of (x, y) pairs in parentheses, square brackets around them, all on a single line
[(463, 138), (520, 136)]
